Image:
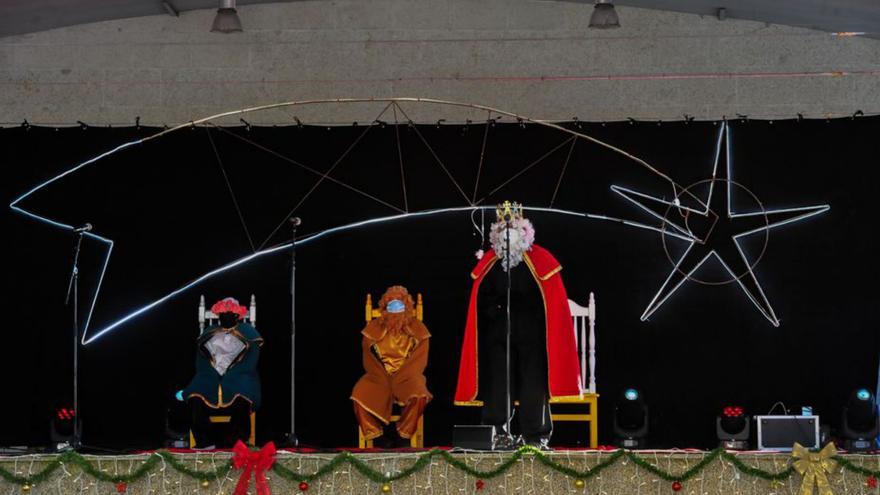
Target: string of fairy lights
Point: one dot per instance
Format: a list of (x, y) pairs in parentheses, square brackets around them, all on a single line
[(527, 469)]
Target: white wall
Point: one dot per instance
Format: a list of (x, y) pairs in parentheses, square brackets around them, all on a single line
[(533, 57)]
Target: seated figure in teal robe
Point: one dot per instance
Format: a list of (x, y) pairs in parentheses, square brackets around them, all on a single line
[(226, 383)]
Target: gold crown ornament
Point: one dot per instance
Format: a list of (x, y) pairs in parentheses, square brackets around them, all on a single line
[(508, 211)]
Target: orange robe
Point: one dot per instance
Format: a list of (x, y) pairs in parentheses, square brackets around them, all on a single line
[(394, 366)]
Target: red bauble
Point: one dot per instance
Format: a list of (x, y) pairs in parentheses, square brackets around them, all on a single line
[(121, 487), (872, 482), (480, 484), (676, 486), (303, 486)]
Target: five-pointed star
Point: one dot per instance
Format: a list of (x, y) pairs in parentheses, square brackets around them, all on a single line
[(713, 229)]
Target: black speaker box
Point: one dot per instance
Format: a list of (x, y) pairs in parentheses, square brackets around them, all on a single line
[(474, 437)]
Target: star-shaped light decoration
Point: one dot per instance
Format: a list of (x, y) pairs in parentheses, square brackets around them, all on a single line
[(713, 229)]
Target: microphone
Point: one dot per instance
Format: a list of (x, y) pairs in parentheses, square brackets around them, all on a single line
[(85, 228), (295, 221)]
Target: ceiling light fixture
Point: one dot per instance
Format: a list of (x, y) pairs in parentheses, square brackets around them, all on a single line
[(604, 16), (170, 9), (226, 20)]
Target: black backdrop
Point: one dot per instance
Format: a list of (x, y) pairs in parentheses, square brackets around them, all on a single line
[(167, 206)]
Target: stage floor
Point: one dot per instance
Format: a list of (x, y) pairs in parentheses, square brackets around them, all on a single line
[(608, 472)]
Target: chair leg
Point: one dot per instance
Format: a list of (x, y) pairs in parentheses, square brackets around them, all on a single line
[(363, 442), (252, 440), (594, 425), (417, 441)]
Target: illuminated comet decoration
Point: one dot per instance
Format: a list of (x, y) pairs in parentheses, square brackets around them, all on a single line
[(713, 229), (688, 232), (570, 138)]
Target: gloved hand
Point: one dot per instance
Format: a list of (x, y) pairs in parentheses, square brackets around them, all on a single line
[(179, 395)]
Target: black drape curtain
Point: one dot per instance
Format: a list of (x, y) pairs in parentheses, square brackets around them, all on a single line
[(168, 205)]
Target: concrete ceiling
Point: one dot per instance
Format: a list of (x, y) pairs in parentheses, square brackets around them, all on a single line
[(27, 16), (824, 15)]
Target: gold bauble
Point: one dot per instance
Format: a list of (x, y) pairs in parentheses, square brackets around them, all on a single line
[(386, 488), (579, 484), (205, 483), (25, 488)]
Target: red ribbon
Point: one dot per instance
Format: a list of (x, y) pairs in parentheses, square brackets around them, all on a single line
[(253, 462)]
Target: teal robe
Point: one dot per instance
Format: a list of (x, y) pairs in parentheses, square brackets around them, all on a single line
[(241, 378)]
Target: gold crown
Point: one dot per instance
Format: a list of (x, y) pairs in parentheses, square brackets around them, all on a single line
[(508, 210)]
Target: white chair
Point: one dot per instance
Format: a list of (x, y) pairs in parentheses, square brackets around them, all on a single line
[(207, 318), (583, 318)]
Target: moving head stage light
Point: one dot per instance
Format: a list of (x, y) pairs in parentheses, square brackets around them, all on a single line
[(860, 425), (61, 427), (630, 420), (733, 428)]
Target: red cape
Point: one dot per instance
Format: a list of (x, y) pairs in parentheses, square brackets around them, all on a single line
[(562, 360)]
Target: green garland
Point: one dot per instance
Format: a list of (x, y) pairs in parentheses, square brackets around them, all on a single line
[(420, 463), (76, 459), (849, 466)]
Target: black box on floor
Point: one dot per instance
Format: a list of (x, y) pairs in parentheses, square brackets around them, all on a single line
[(476, 437)]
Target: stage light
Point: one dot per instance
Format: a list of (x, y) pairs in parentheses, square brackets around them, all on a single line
[(61, 427), (860, 425), (733, 428), (226, 20), (604, 15), (177, 423), (630, 419)]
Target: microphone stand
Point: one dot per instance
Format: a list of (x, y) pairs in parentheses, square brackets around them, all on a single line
[(508, 397), (72, 297), (290, 439)]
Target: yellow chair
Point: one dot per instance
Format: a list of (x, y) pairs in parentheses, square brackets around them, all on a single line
[(206, 319), (591, 416), (418, 439), (582, 319), (252, 439)]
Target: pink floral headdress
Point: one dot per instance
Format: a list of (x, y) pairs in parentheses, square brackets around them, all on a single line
[(229, 305)]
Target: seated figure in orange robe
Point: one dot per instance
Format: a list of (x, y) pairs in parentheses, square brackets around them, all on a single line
[(395, 353)]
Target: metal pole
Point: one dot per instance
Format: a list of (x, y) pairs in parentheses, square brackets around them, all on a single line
[(73, 296), (508, 395), (76, 441), (292, 439)]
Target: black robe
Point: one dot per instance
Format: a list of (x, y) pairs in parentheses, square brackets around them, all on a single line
[(528, 350)]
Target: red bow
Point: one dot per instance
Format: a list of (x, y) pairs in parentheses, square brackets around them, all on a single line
[(253, 462)]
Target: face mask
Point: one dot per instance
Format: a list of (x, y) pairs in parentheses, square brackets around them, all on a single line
[(395, 306), (228, 320)]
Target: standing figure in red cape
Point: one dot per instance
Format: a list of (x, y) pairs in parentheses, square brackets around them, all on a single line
[(544, 361)]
